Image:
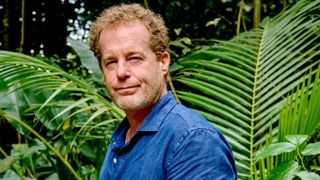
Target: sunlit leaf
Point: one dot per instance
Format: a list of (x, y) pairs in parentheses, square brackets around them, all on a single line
[(311, 149), (246, 81), (275, 149), (285, 171), (296, 139), (304, 175), (6, 163), (213, 22), (87, 58)]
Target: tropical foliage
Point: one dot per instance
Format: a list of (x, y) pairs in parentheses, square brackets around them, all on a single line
[(295, 167), (242, 84), (64, 121), (41, 26), (297, 158), (60, 111)]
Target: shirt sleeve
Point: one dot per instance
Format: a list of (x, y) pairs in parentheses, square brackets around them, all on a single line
[(202, 154)]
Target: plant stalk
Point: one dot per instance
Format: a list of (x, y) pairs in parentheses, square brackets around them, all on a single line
[(22, 25), (256, 13), (44, 141)]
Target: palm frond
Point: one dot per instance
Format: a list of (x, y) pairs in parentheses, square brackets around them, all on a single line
[(300, 114), (19, 71), (242, 84)]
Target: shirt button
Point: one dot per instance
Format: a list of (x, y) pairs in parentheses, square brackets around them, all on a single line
[(115, 160)]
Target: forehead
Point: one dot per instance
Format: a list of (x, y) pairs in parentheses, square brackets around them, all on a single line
[(123, 37), (125, 28), (124, 31)]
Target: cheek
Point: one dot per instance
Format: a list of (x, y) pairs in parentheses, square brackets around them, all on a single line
[(155, 75), (108, 85), (147, 73), (106, 78)]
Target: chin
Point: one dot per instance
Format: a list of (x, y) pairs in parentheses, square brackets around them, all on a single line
[(132, 103)]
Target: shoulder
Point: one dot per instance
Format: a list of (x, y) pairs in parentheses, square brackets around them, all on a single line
[(194, 146), (186, 126), (183, 118)]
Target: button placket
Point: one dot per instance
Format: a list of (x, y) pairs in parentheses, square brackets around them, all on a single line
[(115, 160), (115, 157)]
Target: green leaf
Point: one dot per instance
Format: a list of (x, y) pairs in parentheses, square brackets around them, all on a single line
[(311, 149), (254, 73), (21, 148), (12, 175), (6, 163), (275, 149), (87, 151), (33, 149), (186, 40), (87, 58), (53, 176), (296, 139), (213, 22), (247, 81), (315, 168), (177, 31), (300, 114), (304, 175), (285, 171)]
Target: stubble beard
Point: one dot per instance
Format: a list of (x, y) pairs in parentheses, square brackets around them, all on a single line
[(142, 99)]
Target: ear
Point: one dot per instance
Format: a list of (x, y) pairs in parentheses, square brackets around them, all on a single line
[(165, 62)]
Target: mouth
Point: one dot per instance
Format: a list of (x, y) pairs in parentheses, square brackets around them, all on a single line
[(127, 90)]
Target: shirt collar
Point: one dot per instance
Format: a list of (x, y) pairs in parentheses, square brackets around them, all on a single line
[(158, 113), (155, 118), (153, 121)]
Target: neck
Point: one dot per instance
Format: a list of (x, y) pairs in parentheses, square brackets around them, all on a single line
[(136, 118)]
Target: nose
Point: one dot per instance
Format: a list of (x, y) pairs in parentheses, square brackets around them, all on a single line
[(123, 70)]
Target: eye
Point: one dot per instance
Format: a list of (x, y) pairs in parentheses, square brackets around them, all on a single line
[(110, 64), (135, 59)]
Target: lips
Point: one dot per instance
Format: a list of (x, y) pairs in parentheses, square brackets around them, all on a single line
[(127, 90)]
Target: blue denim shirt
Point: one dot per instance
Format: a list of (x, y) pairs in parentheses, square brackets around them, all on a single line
[(173, 142)]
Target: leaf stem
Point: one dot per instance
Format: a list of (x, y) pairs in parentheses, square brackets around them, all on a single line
[(44, 141), (173, 89), (301, 159)]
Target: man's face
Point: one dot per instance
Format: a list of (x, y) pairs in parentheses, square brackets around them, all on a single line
[(134, 78)]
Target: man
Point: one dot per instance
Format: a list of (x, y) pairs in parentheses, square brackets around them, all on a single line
[(159, 138)]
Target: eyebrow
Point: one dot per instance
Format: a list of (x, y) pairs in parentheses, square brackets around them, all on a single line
[(130, 53), (107, 57)]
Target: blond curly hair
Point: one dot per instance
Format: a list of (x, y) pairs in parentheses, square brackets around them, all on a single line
[(127, 13)]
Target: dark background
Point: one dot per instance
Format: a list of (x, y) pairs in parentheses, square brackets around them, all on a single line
[(49, 22)]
